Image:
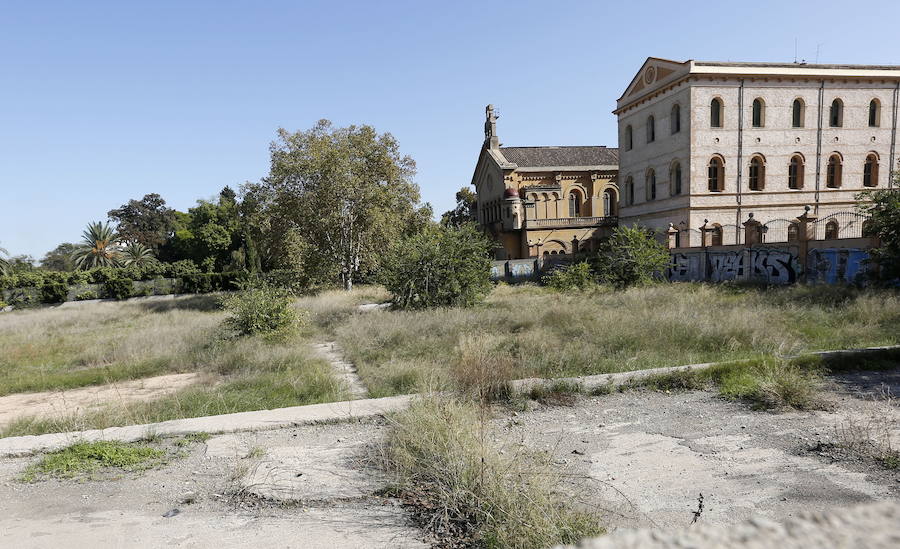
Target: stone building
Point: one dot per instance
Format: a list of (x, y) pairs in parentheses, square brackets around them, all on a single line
[(541, 201), (703, 145)]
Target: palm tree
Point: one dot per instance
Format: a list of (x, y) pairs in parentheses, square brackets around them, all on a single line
[(4, 264), (99, 247), (137, 254)]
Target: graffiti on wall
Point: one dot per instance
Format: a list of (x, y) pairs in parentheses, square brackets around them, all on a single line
[(774, 266), (836, 265), (521, 270), (726, 266), (685, 268)]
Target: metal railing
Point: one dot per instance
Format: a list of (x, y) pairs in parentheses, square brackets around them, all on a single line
[(839, 225)]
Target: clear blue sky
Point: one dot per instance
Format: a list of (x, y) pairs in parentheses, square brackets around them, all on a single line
[(105, 101)]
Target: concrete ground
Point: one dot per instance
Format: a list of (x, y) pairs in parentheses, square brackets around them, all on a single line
[(638, 459)]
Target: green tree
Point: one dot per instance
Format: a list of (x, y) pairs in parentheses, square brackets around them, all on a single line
[(464, 212), (439, 266), (99, 247), (346, 192), (883, 208), (630, 257), (147, 221), (208, 234), (137, 254), (60, 258)]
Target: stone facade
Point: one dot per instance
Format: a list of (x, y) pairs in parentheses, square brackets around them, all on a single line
[(754, 143), (543, 201)]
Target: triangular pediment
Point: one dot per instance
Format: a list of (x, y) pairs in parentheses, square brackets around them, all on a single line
[(654, 73)]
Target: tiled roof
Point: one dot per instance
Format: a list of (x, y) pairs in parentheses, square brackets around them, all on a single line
[(538, 157)]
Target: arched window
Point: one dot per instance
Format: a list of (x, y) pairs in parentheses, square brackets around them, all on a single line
[(650, 185), (715, 113), (874, 113), (870, 171), (832, 230), (833, 174), (574, 204), (628, 142), (757, 173), (796, 171), (675, 119), (798, 113), (759, 113), (716, 174), (793, 232), (716, 239), (629, 191), (675, 179), (609, 203), (651, 129), (836, 115)]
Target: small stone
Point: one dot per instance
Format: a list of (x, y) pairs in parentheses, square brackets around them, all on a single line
[(171, 513)]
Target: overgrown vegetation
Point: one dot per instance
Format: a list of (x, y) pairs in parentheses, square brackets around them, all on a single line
[(83, 458), (438, 267), (543, 333), (567, 278), (883, 208), (466, 492), (263, 310), (631, 256)]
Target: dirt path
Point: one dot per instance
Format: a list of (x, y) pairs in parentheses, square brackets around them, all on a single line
[(345, 371), (58, 404)]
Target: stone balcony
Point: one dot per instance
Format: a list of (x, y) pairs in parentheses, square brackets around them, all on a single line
[(566, 222)]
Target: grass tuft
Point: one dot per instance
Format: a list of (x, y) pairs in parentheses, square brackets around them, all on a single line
[(463, 488), (82, 458)]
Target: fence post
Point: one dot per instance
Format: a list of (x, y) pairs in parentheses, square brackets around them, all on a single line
[(672, 236), (752, 231), (805, 233)]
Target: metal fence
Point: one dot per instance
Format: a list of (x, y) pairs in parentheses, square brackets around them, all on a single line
[(839, 225)]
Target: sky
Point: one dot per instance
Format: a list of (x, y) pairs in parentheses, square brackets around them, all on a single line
[(102, 102)]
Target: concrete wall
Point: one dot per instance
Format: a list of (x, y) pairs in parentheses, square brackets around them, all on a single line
[(822, 262)]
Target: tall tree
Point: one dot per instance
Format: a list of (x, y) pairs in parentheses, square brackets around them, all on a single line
[(60, 258), (99, 247), (348, 192), (883, 208), (464, 212), (208, 234), (147, 221)]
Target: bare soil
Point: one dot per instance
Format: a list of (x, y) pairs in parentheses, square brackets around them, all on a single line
[(60, 404)]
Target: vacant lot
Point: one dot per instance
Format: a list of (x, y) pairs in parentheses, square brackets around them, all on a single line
[(533, 331), (99, 343)]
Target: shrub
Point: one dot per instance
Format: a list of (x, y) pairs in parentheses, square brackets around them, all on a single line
[(54, 292), (118, 288), (260, 311), (84, 296), (883, 208), (571, 277), (439, 266), (630, 257)]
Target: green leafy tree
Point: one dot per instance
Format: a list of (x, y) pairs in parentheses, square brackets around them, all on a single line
[(883, 208), (147, 221), (439, 266), (60, 258), (99, 247), (137, 254), (4, 262), (464, 212), (630, 257), (21, 263), (568, 278), (208, 233), (346, 193)]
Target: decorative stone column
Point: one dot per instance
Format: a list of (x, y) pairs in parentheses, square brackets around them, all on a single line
[(705, 234), (805, 232), (752, 231), (672, 234)]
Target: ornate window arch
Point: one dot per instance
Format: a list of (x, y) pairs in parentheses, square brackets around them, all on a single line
[(798, 113), (650, 185), (833, 173), (716, 112), (716, 174), (575, 203), (610, 205), (874, 113), (836, 113), (756, 175), (758, 115), (675, 179), (796, 171), (870, 170)]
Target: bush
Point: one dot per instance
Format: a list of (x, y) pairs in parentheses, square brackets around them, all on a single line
[(630, 257), (118, 288), (439, 266), (260, 311), (54, 292), (883, 208), (84, 296), (571, 277)]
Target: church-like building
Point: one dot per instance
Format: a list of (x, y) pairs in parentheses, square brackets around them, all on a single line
[(542, 201)]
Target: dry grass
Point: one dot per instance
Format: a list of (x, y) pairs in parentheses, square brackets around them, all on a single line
[(466, 492), (548, 334), (871, 437)]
